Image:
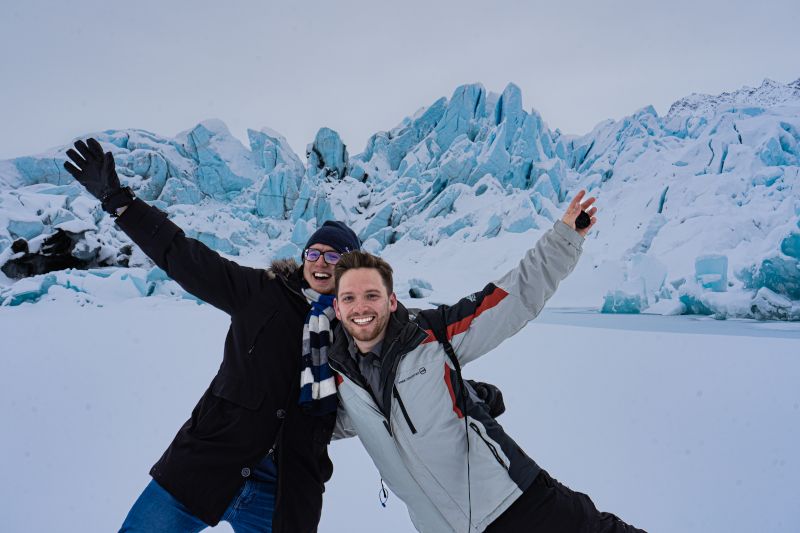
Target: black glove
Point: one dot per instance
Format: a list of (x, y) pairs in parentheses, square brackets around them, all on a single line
[(491, 396), (96, 171)]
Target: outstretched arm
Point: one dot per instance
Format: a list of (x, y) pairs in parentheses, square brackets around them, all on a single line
[(198, 269), (480, 322)]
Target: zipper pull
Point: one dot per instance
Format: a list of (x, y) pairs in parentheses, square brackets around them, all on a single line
[(383, 495)]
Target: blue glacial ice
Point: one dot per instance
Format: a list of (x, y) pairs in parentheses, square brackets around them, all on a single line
[(26, 229), (630, 301), (711, 272), (779, 274), (717, 174), (465, 108), (279, 188), (327, 155)]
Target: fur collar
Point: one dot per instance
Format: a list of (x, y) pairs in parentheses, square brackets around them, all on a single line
[(283, 268)]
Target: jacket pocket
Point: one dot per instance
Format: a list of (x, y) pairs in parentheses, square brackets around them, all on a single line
[(492, 447), (403, 409), (245, 393), (254, 338)]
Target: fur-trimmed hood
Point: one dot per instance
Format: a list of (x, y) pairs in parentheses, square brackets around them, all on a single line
[(283, 268)]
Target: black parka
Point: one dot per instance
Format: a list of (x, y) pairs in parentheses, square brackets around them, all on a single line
[(251, 404)]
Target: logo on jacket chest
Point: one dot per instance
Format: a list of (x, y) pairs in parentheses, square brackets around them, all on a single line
[(420, 372)]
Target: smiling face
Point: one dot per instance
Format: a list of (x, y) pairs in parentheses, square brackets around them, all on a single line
[(319, 274), (363, 305)]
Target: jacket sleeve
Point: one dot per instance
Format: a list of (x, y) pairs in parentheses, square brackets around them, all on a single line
[(198, 269), (480, 322)]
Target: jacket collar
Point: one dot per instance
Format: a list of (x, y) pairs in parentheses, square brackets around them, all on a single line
[(290, 273), (402, 333)]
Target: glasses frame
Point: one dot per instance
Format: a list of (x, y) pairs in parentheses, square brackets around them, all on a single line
[(325, 256)]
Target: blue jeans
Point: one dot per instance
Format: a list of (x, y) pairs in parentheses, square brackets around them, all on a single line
[(250, 511)]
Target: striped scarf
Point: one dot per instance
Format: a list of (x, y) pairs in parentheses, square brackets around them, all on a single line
[(317, 384)]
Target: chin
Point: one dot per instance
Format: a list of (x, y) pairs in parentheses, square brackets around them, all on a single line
[(323, 288), (363, 336)]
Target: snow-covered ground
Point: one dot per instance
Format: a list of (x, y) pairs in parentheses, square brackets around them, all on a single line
[(677, 424)]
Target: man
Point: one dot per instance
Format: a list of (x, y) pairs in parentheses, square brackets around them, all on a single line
[(254, 452), (431, 438)]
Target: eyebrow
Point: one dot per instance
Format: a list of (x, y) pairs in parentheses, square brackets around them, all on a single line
[(350, 293)]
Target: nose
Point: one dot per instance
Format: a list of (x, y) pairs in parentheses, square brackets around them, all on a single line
[(361, 307), (322, 266)]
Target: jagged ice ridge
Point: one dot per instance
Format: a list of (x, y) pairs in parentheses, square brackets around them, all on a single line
[(700, 208)]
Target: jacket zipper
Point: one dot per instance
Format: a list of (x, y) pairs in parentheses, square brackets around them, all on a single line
[(489, 445), (386, 424), (403, 409)]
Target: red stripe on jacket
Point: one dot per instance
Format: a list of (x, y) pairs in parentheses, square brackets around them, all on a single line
[(489, 301)]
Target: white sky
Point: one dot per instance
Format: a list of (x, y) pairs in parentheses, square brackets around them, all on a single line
[(71, 68)]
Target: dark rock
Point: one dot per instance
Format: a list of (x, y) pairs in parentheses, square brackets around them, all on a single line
[(20, 245), (55, 254), (416, 292), (59, 243), (33, 264)]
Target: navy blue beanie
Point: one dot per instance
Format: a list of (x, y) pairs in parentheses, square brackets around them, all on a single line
[(336, 235)]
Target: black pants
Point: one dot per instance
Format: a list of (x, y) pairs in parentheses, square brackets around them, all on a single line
[(550, 507)]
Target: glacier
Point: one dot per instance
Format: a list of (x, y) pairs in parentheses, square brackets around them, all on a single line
[(699, 208)]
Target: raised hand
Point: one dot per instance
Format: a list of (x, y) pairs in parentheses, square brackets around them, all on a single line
[(576, 206), (93, 168)]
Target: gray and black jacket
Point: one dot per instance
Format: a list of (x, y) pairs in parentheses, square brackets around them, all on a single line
[(419, 442)]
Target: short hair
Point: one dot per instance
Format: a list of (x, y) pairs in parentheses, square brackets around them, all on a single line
[(358, 259)]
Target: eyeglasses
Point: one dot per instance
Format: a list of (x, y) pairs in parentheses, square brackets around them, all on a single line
[(312, 254)]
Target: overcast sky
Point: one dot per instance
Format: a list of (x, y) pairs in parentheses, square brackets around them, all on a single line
[(70, 68)]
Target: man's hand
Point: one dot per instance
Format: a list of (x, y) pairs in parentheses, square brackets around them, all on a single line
[(490, 395), (575, 208), (95, 169)]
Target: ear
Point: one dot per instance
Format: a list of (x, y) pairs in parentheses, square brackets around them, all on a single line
[(336, 308), (393, 302)]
